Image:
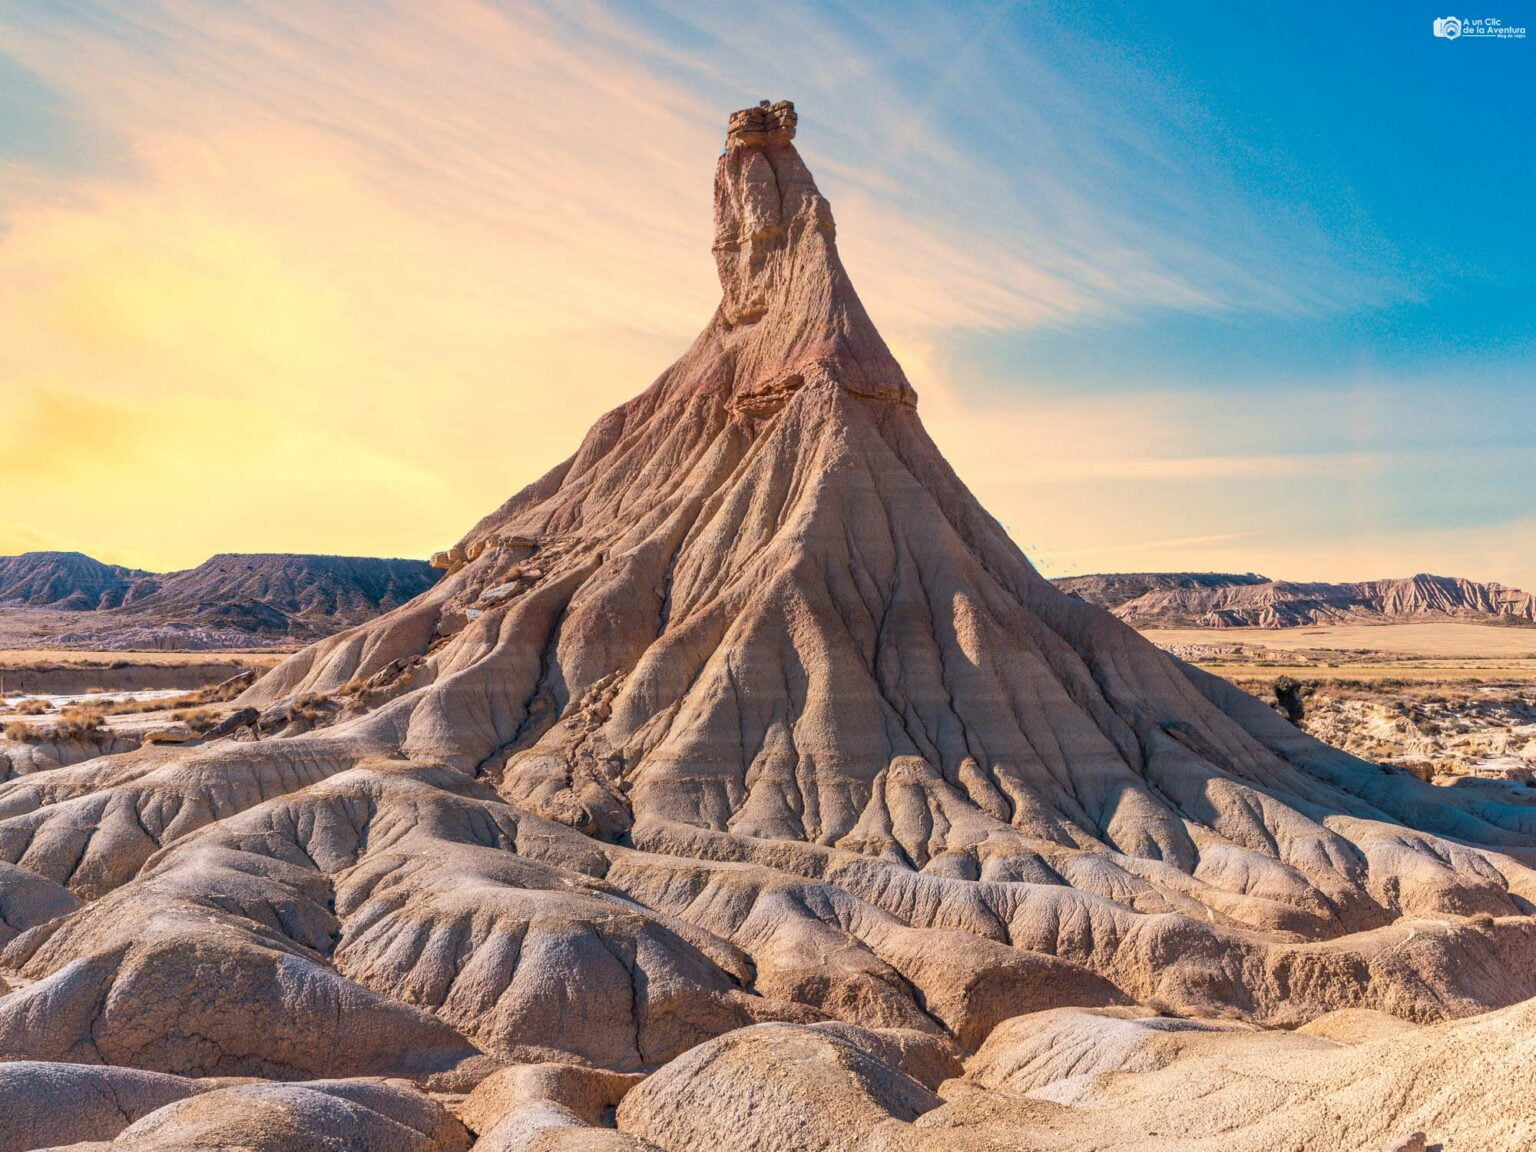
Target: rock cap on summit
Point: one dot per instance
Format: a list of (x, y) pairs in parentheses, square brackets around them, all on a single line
[(764, 124)]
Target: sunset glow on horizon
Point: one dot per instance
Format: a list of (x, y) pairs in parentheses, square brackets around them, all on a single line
[(340, 277)]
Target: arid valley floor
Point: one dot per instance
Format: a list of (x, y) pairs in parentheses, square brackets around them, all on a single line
[(741, 785)]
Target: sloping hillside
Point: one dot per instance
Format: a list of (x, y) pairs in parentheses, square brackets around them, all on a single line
[(290, 593), (1226, 600), (68, 581), (232, 600)]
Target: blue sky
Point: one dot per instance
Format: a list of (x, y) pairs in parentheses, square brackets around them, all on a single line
[(1182, 285)]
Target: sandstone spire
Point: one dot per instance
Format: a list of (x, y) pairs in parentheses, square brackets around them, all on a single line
[(788, 312)]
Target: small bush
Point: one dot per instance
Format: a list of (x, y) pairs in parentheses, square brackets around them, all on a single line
[(199, 720), (315, 706), (77, 722), (133, 707)]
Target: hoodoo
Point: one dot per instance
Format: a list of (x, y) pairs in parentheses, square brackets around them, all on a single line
[(746, 713)]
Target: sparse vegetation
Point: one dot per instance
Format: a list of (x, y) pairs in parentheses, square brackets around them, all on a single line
[(199, 720), (314, 707), (74, 723), (1462, 704), (77, 723)]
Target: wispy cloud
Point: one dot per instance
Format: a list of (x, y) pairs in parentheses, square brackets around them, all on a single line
[(355, 272)]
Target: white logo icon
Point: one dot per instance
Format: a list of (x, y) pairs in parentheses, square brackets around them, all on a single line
[(1448, 27)]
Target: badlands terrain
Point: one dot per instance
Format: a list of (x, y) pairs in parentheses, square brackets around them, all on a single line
[(69, 600), (741, 785), (1444, 701), (1227, 600)]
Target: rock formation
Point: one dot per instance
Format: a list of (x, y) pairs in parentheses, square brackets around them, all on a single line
[(229, 601), (1224, 600), (68, 581), (746, 746)]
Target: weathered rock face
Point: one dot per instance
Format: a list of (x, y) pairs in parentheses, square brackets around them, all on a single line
[(68, 581), (1225, 600), (64, 599), (747, 713)]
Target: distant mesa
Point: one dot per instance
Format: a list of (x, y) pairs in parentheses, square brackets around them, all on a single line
[(69, 581), (1227, 600), (235, 600)]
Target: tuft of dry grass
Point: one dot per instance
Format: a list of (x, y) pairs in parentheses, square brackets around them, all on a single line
[(159, 704), (77, 723), (315, 706), (74, 723), (198, 719)]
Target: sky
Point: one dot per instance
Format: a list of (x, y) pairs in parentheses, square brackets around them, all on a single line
[(1181, 286)]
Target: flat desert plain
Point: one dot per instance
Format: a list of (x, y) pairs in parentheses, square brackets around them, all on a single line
[(1431, 651), (1450, 702)]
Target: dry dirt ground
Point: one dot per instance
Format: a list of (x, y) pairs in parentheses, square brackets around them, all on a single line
[(72, 658), (1420, 651), (42, 670), (1446, 701)]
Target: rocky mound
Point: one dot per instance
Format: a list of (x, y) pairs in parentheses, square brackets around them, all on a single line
[(68, 581), (747, 714), (233, 600), (1225, 600), (1083, 1081), (282, 593)]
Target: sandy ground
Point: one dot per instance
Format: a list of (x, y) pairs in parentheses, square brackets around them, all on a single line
[(34, 671), (1415, 652), (1483, 641), (1443, 700), (39, 657)]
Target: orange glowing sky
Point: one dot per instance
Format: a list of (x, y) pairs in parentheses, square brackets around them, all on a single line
[(341, 277)]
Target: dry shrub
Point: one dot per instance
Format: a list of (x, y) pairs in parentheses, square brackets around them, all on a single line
[(199, 720), (33, 708), (78, 722), (228, 689), (74, 723), (133, 707), (312, 707)]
